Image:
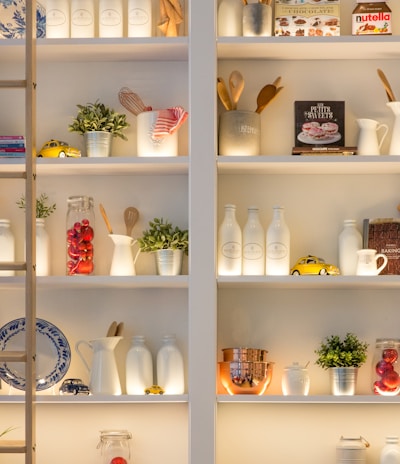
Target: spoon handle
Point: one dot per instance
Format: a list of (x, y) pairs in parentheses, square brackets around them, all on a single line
[(103, 213)]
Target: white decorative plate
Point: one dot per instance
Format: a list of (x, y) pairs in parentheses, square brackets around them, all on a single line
[(12, 19), (53, 354)]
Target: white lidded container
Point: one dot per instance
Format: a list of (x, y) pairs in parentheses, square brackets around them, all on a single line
[(229, 17), (230, 244), (139, 18), (57, 19), (111, 20), (390, 453), (170, 370), (351, 450), (350, 241), (82, 18), (139, 367)]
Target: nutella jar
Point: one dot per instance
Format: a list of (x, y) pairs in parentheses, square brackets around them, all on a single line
[(372, 18)]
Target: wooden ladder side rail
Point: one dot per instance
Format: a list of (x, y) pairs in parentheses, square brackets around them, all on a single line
[(13, 446), (12, 266), (12, 84), (13, 356)]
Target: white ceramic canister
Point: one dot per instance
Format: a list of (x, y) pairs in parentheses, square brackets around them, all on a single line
[(82, 18), (111, 22), (277, 250), (239, 133), (352, 450), (170, 370), (147, 144), (7, 245), (230, 18), (57, 19), (139, 18), (349, 242), (139, 367), (229, 244), (390, 453), (295, 380), (253, 244)]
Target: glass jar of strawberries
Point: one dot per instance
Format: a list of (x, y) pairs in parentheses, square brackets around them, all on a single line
[(386, 367), (80, 234)]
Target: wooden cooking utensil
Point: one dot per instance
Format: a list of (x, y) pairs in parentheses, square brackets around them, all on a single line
[(236, 86), (120, 329), (223, 94), (112, 330), (103, 213), (131, 215), (266, 94), (386, 85)]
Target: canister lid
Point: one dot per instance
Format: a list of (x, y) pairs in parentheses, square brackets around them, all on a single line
[(371, 1)]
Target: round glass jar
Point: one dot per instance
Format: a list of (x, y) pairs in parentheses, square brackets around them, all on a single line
[(385, 367), (80, 234), (114, 446)]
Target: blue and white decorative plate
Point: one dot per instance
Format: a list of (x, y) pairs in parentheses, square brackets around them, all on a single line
[(53, 354), (12, 19)]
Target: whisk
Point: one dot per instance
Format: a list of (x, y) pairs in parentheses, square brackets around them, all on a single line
[(132, 102)]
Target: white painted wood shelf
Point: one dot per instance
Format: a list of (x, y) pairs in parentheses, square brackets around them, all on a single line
[(317, 399)]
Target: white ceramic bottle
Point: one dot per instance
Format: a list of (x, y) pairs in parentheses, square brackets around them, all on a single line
[(82, 18), (350, 240), (229, 244), (230, 13), (111, 23), (57, 19), (170, 370), (139, 367), (277, 249), (7, 245), (253, 244), (42, 249), (139, 18), (390, 453)]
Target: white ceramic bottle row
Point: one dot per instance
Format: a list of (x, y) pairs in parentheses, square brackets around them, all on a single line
[(76, 18)]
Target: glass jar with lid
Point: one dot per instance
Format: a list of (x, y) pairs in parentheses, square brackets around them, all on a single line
[(115, 447), (385, 367)]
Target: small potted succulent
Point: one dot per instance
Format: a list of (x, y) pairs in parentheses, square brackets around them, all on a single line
[(99, 124), (342, 357), (168, 242)]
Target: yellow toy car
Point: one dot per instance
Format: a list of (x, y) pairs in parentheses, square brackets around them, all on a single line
[(154, 390), (58, 149), (311, 265)]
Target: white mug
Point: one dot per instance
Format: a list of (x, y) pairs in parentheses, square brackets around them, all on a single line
[(368, 262)]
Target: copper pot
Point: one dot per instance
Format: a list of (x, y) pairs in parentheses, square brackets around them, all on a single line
[(245, 354), (245, 377)]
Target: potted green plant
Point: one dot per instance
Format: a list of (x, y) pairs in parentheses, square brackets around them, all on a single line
[(99, 124), (342, 357), (43, 211), (168, 242)]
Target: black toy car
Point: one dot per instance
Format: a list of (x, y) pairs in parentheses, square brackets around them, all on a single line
[(74, 387)]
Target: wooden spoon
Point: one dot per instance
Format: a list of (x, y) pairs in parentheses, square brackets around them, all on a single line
[(119, 330), (223, 94), (386, 85), (112, 330), (266, 94), (236, 86), (131, 215), (103, 213)]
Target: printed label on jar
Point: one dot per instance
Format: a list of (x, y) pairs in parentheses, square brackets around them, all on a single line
[(81, 17), (138, 17), (231, 250), (372, 23), (55, 17), (110, 17), (277, 250), (252, 251)]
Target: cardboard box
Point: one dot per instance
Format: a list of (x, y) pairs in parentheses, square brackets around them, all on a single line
[(297, 18), (383, 235)]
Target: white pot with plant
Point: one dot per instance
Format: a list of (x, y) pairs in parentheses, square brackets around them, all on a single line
[(168, 242), (43, 211), (99, 124), (343, 358)]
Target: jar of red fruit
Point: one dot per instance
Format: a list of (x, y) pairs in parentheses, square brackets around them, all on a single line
[(80, 234), (114, 446), (386, 367)]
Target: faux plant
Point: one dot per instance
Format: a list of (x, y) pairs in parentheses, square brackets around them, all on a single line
[(7, 430), (349, 352), (162, 236), (99, 117), (43, 210)]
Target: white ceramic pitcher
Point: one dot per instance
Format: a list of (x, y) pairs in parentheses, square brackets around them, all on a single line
[(368, 262), (123, 262), (394, 148), (104, 377), (368, 137)]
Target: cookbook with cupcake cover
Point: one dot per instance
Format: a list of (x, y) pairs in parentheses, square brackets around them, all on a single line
[(319, 126)]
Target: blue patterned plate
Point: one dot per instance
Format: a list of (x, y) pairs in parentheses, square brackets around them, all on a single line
[(53, 354), (12, 19)]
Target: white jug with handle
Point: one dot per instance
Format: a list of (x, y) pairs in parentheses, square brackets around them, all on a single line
[(368, 262), (394, 148), (123, 262), (368, 137), (104, 377)]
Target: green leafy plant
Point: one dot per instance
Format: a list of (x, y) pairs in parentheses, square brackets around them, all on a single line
[(334, 352), (162, 236), (7, 430), (99, 117), (43, 210)]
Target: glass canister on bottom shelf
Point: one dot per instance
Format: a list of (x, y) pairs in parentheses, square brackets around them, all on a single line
[(385, 367), (114, 446), (352, 450), (295, 380), (80, 234)]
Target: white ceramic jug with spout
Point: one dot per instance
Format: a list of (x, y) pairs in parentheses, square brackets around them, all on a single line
[(368, 137), (394, 148), (368, 262), (123, 262), (104, 377)]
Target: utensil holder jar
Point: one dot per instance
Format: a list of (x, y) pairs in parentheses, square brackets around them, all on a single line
[(257, 20), (147, 144), (240, 133)]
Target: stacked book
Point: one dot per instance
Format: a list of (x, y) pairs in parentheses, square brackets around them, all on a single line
[(12, 146)]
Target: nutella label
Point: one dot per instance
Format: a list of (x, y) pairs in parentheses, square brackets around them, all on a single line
[(372, 19)]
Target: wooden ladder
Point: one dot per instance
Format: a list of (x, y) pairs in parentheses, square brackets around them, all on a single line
[(27, 446)]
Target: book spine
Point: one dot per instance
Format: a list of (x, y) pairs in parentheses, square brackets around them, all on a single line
[(16, 144), (12, 137), (365, 233), (12, 150)]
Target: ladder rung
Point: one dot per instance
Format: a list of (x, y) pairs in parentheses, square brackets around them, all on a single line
[(13, 84), (13, 356), (13, 266), (13, 175), (12, 446)]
